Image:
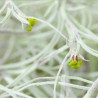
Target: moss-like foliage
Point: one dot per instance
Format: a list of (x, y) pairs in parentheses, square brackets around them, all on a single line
[(75, 64), (32, 22)]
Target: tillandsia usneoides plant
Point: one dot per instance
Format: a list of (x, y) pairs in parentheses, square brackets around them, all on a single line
[(48, 49)]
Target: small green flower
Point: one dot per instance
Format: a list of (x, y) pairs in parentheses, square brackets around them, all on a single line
[(32, 22), (75, 64)]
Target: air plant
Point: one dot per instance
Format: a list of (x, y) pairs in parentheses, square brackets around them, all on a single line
[(38, 59)]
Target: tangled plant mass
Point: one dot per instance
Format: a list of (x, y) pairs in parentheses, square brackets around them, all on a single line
[(39, 39)]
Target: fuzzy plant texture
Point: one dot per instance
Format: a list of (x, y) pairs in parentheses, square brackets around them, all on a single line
[(48, 49)]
